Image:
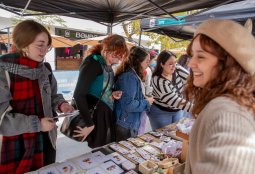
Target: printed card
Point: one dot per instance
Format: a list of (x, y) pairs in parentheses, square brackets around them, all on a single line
[(99, 156), (117, 158), (131, 172), (67, 168), (127, 145), (151, 150), (111, 168), (120, 149), (96, 170), (50, 170), (87, 161)]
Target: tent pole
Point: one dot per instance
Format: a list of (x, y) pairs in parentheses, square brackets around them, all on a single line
[(8, 31), (140, 36), (24, 10), (109, 29)]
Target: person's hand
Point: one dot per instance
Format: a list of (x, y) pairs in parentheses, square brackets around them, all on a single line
[(66, 108), (116, 95), (83, 132), (150, 100), (47, 124)]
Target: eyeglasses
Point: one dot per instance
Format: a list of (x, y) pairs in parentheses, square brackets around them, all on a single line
[(43, 48)]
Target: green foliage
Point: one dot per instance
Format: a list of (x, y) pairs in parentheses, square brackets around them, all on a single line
[(46, 20), (133, 28)]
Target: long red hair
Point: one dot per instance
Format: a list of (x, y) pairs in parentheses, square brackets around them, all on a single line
[(113, 43)]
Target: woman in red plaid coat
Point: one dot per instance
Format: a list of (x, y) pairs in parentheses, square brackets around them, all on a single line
[(27, 98)]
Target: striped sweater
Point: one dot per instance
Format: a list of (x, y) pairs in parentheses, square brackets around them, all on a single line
[(168, 93)]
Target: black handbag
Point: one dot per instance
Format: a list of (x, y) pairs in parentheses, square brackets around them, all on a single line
[(70, 123)]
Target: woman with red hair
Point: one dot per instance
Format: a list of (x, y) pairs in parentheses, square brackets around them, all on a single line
[(96, 74)]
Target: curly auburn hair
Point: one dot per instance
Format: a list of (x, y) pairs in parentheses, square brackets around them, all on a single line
[(136, 56), (112, 43), (232, 81)]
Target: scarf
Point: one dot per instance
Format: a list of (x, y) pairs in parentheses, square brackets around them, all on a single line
[(23, 153)]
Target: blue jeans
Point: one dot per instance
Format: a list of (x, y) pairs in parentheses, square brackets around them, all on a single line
[(159, 118), (186, 114)]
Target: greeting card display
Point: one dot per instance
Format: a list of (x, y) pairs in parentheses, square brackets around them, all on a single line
[(111, 168), (137, 141), (131, 172), (116, 157), (151, 150), (145, 155), (119, 148), (128, 165), (135, 158), (127, 145), (67, 168), (88, 161), (49, 170), (96, 170)]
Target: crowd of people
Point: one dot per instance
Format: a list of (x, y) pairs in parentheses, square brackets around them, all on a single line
[(214, 83)]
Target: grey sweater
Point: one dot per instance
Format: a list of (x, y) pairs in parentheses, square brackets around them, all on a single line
[(18, 123), (222, 140)]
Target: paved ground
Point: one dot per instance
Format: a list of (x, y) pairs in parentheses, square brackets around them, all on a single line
[(67, 148)]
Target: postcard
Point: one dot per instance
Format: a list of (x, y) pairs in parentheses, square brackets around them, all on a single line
[(49, 170), (96, 170), (117, 158), (111, 168), (90, 160), (67, 168)]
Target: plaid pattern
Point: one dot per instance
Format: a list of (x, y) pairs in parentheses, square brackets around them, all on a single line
[(23, 153)]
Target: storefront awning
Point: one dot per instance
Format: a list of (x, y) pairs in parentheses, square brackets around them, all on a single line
[(96, 40), (57, 41)]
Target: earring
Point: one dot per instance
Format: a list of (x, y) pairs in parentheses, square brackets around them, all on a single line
[(25, 51)]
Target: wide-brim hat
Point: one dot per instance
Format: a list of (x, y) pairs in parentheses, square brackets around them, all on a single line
[(234, 38)]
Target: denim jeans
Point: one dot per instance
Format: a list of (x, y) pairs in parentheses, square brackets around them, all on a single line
[(186, 114), (159, 118)]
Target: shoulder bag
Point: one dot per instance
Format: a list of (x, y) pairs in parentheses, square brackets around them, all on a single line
[(70, 123)]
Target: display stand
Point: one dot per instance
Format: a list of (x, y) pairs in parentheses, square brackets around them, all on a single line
[(141, 154)]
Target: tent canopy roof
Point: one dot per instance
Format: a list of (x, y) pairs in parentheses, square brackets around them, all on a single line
[(184, 29), (109, 11)]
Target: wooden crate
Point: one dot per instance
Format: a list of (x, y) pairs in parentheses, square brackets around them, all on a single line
[(68, 64), (185, 144), (182, 135), (179, 169)]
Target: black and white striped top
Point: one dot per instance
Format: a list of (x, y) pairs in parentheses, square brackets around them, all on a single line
[(168, 94)]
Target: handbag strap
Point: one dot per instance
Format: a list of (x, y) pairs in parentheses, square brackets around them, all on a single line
[(9, 108), (8, 78), (103, 92), (108, 80)]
